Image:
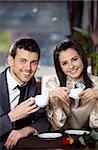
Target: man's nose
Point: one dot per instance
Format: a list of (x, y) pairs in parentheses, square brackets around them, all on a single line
[(28, 66)]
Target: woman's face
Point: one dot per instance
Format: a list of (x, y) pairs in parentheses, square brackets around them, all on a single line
[(71, 63)]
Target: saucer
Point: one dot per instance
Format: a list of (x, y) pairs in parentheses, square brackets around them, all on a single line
[(49, 135), (77, 132)]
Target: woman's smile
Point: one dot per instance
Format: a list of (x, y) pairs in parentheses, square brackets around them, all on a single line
[(71, 63)]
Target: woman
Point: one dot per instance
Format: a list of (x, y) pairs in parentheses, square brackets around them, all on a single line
[(71, 67)]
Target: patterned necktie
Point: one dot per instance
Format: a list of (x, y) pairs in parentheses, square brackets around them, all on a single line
[(22, 90)]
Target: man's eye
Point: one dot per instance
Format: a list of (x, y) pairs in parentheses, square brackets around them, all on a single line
[(23, 61), (35, 62)]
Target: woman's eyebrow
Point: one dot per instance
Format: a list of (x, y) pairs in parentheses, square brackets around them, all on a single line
[(74, 57)]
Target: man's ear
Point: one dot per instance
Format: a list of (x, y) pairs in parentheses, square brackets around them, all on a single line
[(10, 60)]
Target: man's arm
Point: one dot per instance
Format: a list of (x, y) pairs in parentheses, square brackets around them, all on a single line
[(15, 135), (23, 110), (5, 123)]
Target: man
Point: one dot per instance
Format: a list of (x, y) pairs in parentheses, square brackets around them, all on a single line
[(20, 117)]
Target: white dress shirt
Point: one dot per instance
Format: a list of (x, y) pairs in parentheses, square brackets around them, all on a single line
[(14, 92)]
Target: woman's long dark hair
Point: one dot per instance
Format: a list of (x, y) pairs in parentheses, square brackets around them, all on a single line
[(63, 46)]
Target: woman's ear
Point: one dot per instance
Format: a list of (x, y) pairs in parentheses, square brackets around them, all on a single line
[(10, 60)]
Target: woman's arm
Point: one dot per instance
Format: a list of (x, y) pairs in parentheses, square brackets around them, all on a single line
[(56, 115), (94, 117)]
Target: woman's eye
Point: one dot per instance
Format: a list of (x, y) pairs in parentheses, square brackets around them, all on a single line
[(75, 59), (65, 63)]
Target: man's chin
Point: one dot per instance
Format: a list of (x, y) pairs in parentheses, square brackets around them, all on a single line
[(25, 80)]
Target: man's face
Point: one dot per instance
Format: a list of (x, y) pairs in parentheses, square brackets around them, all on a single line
[(23, 66)]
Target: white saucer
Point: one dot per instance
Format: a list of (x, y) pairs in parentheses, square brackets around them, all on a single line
[(77, 132), (49, 135)]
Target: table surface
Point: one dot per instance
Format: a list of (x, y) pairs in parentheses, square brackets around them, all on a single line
[(34, 142)]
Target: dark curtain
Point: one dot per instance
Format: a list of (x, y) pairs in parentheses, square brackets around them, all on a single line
[(94, 21), (94, 29), (75, 9)]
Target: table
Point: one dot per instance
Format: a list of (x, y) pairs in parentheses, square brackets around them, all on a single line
[(34, 142)]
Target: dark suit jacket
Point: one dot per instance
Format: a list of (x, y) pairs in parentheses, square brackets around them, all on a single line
[(37, 120)]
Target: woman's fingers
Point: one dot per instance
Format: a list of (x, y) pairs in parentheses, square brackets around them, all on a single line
[(88, 94), (61, 93)]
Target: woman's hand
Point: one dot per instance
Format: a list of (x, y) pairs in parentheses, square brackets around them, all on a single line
[(15, 135), (23, 110), (88, 94), (60, 92)]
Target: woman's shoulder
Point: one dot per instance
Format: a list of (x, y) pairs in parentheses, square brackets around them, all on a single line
[(94, 79), (53, 80), (49, 82)]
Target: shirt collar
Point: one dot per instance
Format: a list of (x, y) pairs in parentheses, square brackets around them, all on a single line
[(12, 83), (71, 83)]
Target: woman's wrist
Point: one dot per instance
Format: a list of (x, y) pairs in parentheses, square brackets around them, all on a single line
[(96, 93)]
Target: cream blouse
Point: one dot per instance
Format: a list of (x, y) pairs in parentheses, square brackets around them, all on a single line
[(70, 114)]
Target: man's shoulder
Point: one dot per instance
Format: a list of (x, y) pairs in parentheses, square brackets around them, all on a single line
[(2, 73), (3, 76)]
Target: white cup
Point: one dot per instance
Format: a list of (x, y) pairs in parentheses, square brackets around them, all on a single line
[(41, 100), (74, 93)]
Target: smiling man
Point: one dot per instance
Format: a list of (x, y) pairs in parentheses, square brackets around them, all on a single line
[(20, 117)]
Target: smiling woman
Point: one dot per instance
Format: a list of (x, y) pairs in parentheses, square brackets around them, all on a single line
[(66, 111), (71, 63)]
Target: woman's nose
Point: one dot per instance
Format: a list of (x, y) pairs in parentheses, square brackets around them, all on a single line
[(70, 64)]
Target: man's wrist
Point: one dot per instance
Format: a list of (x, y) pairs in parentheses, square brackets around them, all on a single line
[(11, 117)]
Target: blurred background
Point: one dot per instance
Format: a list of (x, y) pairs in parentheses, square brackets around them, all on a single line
[(48, 22)]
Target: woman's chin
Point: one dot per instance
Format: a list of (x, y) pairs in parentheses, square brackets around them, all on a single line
[(75, 76)]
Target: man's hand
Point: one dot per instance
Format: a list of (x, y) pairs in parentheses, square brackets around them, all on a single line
[(15, 135), (23, 110)]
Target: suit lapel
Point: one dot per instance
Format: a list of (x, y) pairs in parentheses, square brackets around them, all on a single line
[(31, 88), (4, 94)]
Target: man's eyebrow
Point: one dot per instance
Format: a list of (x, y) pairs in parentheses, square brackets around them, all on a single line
[(34, 60)]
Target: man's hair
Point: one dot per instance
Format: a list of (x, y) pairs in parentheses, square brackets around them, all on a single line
[(28, 44)]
